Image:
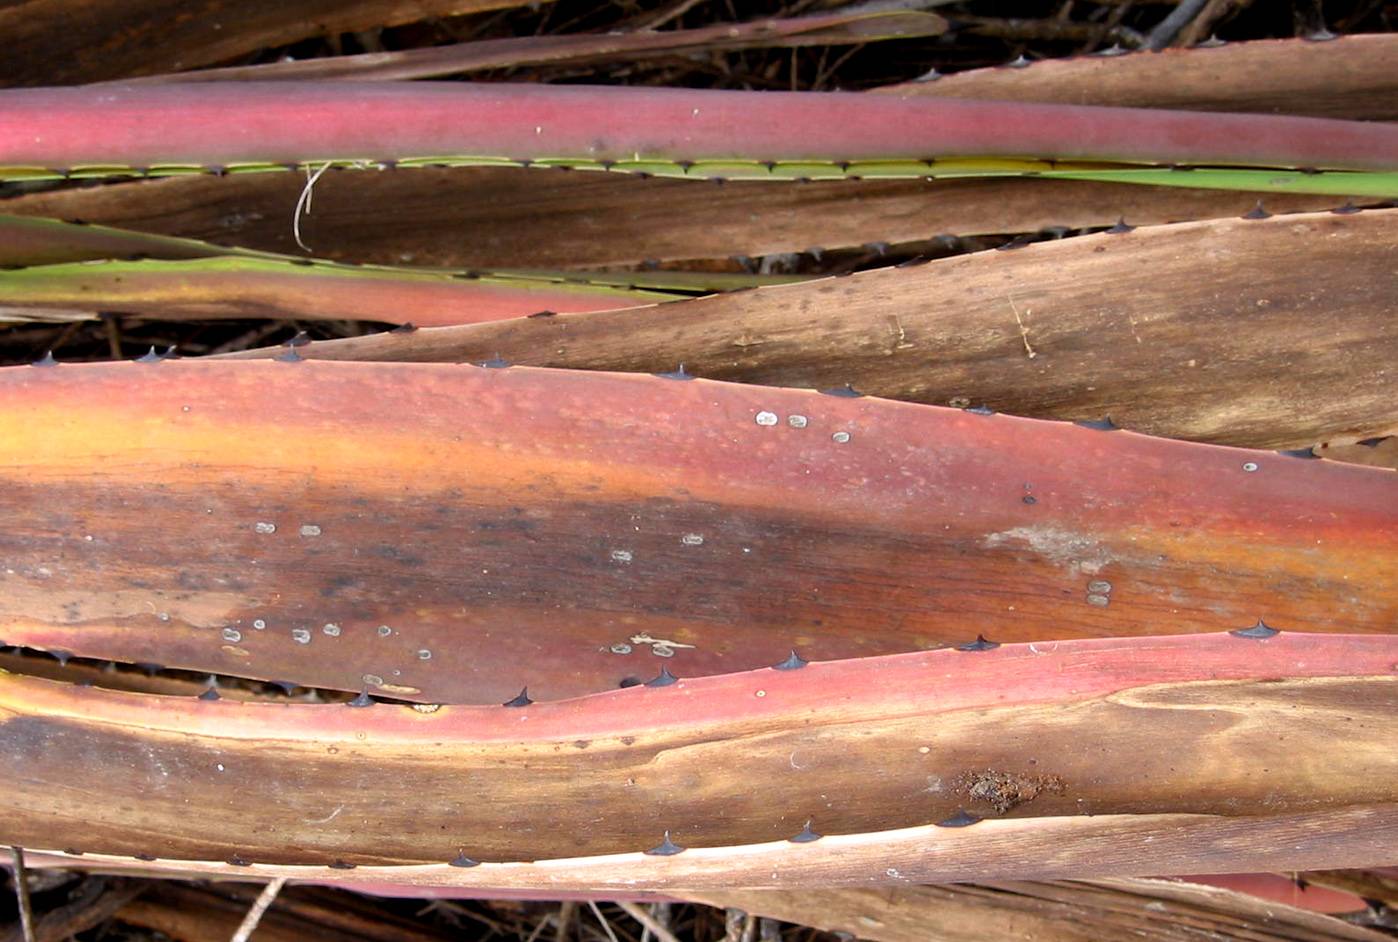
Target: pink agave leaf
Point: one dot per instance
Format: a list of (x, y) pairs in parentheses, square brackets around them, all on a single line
[(444, 532), (894, 770), (258, 286), (1291, 891), (203, 125), (1263, 350)]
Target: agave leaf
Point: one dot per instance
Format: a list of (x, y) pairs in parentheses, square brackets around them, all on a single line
[(824, 29), (1243, 331), (26, 241), (554, 220), (1048, 912), (33, 241), (97, 131), (1033, 848), (210, 288), (670, 280), (1379, 884), (67, 41), (1097, 906), (1381, 451), (1371, 185), (849, 744), (1278, 888), (452, 533), (1350, 77)]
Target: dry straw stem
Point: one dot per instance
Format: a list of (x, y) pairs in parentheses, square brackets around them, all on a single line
[(89, 903), (260, 906), (20, 876)]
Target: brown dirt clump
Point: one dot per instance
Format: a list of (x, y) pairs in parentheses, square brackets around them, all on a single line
[(1006, 790)]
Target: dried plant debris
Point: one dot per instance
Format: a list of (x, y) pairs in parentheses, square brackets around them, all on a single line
[(1005, 791)]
